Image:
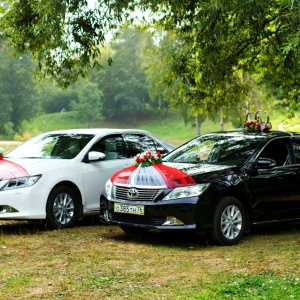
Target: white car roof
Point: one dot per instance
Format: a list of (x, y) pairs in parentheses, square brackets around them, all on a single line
[(97, 131), (104, 131)]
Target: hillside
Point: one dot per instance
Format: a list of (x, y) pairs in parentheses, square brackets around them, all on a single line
[(171, 127)]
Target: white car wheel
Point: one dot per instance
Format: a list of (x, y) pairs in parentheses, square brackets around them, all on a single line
[(62, 208)]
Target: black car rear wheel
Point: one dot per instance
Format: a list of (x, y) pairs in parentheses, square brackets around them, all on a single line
[(228, 222), (62, 208)]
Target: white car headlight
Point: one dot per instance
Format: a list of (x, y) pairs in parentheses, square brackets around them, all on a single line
[(108, 189), (187, 191), (20, 182)]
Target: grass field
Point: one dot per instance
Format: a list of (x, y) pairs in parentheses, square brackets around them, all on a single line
[(94, 261)]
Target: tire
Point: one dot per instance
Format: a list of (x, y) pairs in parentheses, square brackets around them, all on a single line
[(134, 230), (228, 222), (62, 208)]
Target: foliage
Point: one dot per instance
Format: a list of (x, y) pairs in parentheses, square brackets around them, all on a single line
[(205, 62), (62, 35), (89, 105), (218, 46), (158, 68), (17, 91), (53, 98), (124, 86), (218, 40)]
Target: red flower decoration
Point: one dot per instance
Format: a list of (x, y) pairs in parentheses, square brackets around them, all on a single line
[(257, 125), (148, 158)]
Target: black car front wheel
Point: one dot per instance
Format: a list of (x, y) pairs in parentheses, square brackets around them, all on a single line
[(228, 222), (62, 208)]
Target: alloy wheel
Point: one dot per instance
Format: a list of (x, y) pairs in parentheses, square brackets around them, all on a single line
[(63, 208), (231, 222)]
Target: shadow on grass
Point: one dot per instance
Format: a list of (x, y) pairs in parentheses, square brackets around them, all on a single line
[(154, 237), (275, 229), (21, 227), (164, 238), (35, 226), (194, 240)]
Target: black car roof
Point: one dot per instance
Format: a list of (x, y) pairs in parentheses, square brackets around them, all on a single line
[(272, 133)]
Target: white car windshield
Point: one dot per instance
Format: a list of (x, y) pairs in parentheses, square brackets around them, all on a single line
[(57, 146)]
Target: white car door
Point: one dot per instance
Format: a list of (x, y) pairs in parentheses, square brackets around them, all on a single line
[(96, 174)]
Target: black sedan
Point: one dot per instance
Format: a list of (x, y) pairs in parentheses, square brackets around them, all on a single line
[(228, 182)]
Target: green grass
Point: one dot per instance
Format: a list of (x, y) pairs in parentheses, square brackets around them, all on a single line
[(171, 127), (94, 261)]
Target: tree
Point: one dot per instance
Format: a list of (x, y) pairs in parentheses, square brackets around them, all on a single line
[(88, 108), (227, 37), (230, 38), (161, 89), (175, 77), (63, 36), (17, 89), (124, 85), (55, 99)]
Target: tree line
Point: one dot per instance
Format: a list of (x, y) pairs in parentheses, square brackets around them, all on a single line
[(207, 58), (116, 91)]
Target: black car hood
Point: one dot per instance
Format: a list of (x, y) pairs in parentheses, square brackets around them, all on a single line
[(195, 170)]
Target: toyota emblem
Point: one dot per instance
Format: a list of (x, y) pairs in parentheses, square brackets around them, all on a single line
[(132, 193)]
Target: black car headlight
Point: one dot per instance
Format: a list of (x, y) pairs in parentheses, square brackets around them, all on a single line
[(20, 182), (186, 191)]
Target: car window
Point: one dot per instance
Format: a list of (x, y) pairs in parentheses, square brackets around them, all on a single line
[(215, 149), (58, 146), (278, 151), (112, 146), (296, 145), (138, 143)]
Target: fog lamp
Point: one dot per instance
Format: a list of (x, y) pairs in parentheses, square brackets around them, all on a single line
[(105, 214), (4, 209), (172, 221)]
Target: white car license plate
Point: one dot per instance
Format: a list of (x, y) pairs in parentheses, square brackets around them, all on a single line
[(129, 209)]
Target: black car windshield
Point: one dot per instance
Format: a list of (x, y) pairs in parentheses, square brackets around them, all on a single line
[(58, 146), (214, 148)]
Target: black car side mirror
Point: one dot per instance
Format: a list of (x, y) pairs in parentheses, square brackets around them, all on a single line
[(265, 163)]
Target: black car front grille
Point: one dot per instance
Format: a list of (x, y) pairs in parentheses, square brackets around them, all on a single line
[(132, 219), (122, 193)]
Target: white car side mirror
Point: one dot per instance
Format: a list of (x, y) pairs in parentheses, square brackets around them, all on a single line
[(96, 156)]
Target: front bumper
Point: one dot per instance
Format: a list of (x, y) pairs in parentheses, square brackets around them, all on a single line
[(178, 214), (24, 203)]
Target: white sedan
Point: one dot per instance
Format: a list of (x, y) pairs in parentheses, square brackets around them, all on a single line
[(58, 176)]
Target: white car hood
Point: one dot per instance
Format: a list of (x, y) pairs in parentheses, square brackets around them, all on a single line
[(38, 166)]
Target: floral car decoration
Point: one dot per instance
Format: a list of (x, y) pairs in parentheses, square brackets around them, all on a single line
[(148, 158), (257, 125), (9, 169), (150, 172)]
